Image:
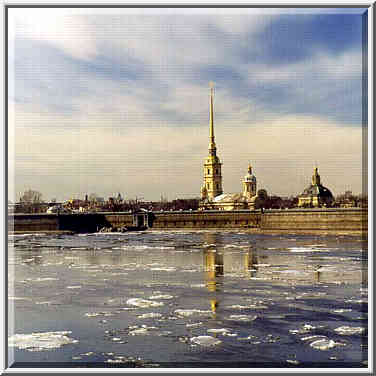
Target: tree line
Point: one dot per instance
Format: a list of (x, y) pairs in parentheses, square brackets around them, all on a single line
[(31, 201)]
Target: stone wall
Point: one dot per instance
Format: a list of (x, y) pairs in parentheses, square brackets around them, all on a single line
[(33, 222), (353, 219), (213, 219)]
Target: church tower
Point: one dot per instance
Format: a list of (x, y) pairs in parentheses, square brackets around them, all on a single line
[(249, 184), (212, 167)]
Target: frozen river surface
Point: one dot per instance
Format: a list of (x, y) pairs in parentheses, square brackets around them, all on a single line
[(187, 299)]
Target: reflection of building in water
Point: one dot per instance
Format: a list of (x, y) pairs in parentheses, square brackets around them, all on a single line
[(213, 262)]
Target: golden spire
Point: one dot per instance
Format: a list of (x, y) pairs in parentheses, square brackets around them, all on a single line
[(212, 142), (316, 177)]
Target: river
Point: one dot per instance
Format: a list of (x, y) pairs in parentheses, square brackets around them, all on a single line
[(187, 299)]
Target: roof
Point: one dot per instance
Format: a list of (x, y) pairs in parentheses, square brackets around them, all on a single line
[(317, 190), (230, 197)]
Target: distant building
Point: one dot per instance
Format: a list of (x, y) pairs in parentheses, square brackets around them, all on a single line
[(212, 196), (316, 195)]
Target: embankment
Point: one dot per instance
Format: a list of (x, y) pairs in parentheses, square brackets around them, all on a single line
[(352, 220)]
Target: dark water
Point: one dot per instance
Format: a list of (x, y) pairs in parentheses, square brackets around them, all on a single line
[(188, 299)]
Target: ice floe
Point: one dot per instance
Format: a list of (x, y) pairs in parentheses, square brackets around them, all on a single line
[(218, 331), (304, 329), (342, 310), (41, 341), (167, 269), (151, 315), (193, 325), (95, 314), (18, 298), (323, 344), (348, 330), (161, 297), (143, 303), (206, 341), (292, 361), (190, 312), (245, 318), (42, 279)]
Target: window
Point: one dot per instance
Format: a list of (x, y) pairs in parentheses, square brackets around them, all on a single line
[(216, 171), (209, 171), (208, 185), (217, 186)]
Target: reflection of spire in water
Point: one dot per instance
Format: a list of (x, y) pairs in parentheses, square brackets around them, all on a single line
[(213, 264), (213, 267), (211, 238), (317, 273), (250, 263), (214, 305)]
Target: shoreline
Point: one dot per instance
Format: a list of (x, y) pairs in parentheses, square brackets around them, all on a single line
[(355, 233)]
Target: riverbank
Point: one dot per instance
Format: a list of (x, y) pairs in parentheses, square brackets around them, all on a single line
[(309, 221)]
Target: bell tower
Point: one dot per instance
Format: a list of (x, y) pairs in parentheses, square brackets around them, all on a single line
[(212, 165), (249, 184)]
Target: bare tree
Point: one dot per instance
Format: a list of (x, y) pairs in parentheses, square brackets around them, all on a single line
[(31, 197), (93, 197)]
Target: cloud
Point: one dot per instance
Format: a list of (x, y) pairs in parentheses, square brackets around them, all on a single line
[(150, 161), (124, 95)]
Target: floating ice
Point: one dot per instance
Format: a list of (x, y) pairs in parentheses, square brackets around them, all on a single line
[(197, 285), (323, 344), (242, 318), (190, 312), (40, 341), (167, 269), (139, 331), (74, 287), (193, 325), (42, 279), (143, 303), (360, 301), (161, 297), (342, 310), (222, 330), (313, 337), (348, 330), (17, 298), (253, 306), (150, 315), (304, 329), (95, 314), (292, 361), (206, 341), (303, 249)]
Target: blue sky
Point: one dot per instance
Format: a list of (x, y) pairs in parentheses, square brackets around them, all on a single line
[(116, 100)]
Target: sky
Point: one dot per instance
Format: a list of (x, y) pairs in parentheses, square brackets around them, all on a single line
[(117, 100)]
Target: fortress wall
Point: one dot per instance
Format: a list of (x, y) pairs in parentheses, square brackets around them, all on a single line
[(199, 220), (33, 222), (354, 219), (336, 220)]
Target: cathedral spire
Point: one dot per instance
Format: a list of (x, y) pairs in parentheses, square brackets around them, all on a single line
[(212, 167), (316, 177), (212, 147)]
